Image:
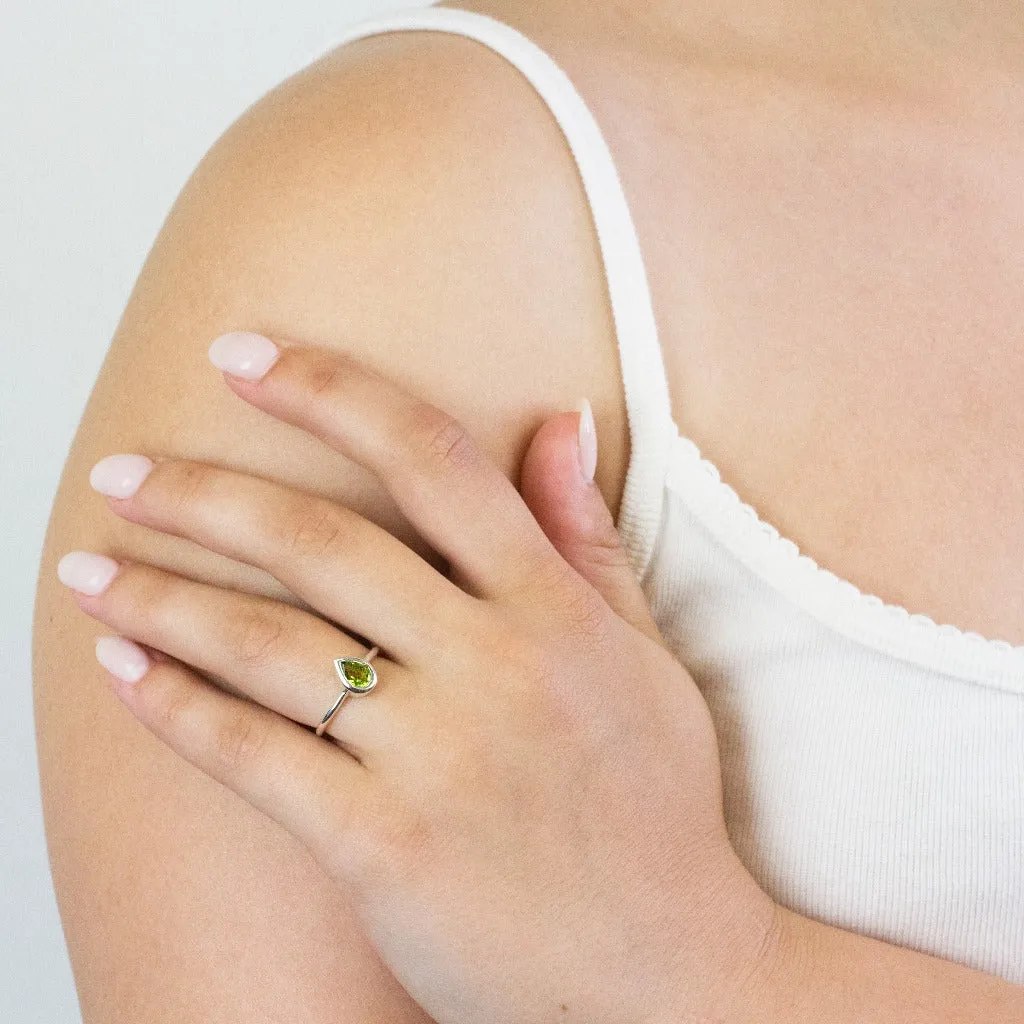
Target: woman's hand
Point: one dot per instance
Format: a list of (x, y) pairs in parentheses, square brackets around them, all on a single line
[(526, 812)]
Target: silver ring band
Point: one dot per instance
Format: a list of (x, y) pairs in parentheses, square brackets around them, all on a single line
[(357, 676)]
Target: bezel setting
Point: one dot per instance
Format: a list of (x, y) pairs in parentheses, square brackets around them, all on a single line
[(362, 680)]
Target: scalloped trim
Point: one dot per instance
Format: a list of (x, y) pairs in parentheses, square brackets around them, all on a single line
[(832, 600)]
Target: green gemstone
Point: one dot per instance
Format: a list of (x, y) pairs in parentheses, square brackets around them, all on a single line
[(359, 674)]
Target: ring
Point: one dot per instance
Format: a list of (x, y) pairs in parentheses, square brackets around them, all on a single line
[(357, 675)]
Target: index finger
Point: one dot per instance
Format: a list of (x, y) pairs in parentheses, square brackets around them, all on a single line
[(438, 475)]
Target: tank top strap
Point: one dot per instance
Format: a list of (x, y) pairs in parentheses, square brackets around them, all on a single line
[(651, 426)]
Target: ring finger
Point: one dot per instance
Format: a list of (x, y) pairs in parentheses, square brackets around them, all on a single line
[(342, 564), (277, 654)]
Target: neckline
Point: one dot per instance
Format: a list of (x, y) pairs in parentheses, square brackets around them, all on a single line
[(835, 602)]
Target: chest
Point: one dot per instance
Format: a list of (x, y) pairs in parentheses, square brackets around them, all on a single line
[(839, 299)]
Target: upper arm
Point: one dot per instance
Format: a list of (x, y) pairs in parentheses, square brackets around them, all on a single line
[(367, 204)]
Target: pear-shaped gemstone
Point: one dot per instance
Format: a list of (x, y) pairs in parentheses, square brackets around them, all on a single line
[(357, 674)]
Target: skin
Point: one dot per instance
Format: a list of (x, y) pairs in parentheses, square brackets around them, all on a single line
[(622, 853), (305, 219), (495, 700), (815, 188), (231, 917)]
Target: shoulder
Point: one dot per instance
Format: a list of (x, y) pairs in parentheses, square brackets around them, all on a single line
[(408, 197)]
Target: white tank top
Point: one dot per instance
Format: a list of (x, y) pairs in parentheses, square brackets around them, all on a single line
[(873, 761)]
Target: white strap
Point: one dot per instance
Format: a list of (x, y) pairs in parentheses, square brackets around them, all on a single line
[(648, 406)]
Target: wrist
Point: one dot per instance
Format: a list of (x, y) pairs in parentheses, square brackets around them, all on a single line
[(746, 958), (814, 972), (774, 975), (760, 974)]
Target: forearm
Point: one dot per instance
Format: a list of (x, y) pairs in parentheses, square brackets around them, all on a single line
[(824, 975)]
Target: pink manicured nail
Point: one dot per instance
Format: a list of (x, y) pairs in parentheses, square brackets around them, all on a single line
[(126, 660), (587, 440), (243, 354), (85, 572), (120, 475)]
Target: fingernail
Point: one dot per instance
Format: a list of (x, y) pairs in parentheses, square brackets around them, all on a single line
[(120, 475), (243, 354), (126, 660), (85, 572), (587, 440)]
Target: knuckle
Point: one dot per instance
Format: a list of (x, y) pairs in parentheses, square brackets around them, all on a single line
[(522, 659), (141, 595), (387, 843), (400, 834), (605, 548), (166, 703), (407, 839), (441, 438), (324, 378), (310, 528), (185, 481), (257, 636), (545, 685), (238, 739)]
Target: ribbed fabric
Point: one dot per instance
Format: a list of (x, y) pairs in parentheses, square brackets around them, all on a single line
[(873, 761)]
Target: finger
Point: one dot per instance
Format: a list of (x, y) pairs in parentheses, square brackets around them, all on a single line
[(440, 478), (340, 563), (314, 789), (572, 512), (272, 652)]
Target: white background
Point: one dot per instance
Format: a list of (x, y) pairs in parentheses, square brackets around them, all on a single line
[(105, 109)]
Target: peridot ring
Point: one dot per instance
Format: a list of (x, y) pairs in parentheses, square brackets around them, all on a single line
[(357, 676)]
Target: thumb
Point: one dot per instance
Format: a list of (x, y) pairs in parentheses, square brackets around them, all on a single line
[(556, 482)]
